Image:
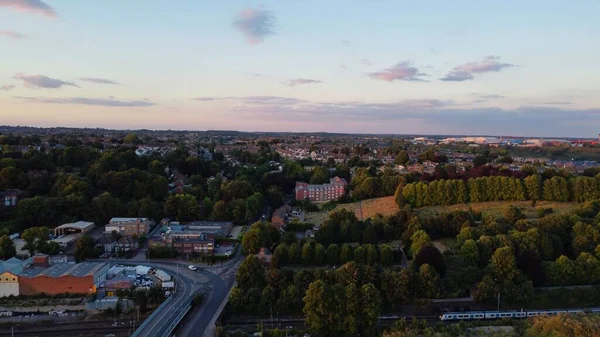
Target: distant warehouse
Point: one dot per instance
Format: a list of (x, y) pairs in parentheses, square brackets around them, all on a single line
[(35, 276)]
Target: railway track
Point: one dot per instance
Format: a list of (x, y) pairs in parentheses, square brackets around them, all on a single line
[(298, 323), (112, 331)]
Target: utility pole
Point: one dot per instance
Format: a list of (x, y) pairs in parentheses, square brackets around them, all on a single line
[(498, 308)]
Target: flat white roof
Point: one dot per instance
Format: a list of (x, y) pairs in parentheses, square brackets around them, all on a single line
[(126, 219), (82, 225)]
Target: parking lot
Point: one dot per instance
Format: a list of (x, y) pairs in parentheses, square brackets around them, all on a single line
[(235, 231), (224, 248)]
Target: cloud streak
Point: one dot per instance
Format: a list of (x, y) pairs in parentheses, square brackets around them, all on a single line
[(275, 100), (41, 81), (468, 71), (12, 35), (30, 6), (402, 71), (7, 87), (99, 80), (300, 81), (255, 24), (106, 102)]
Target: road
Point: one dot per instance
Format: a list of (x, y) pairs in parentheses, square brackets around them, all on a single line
[(188, 283), (199, 321)]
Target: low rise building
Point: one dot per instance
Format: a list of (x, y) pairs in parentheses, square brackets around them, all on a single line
[(325, 192), (107, 243), (129, 226), (10, 198), (36, 275), (203, 244), (126, 244)]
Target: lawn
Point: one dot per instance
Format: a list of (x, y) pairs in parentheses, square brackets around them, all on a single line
[(364, 209), (495, 208)]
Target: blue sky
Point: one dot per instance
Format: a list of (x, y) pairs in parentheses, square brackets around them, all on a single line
[(431, 67)]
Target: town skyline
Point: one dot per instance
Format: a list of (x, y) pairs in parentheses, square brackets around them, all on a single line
[(358, 68)]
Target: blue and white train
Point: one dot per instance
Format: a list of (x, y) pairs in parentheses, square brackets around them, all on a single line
[(480, 315)]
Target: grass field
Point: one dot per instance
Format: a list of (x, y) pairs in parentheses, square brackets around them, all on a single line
[(364, 209), (495, 208), (386, 206)]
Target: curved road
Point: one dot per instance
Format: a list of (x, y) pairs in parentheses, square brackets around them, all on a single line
[(188, 283)]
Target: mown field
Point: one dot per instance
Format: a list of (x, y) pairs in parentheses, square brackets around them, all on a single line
[(364, 209), (494, 208), (386, 206)]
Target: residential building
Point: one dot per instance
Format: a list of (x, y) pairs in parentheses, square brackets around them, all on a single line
[(265, 256), (126, 244), (107, 243), (129, 226), (325, 192), (9, 276), (278, 218), (10, 198), (204, 244)]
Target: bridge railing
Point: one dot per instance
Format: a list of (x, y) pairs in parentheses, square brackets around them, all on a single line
[(177, 320), (156, 312)]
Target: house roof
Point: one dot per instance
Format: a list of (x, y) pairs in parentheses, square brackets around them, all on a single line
[(13, 266), (126, 240), (106, 239)]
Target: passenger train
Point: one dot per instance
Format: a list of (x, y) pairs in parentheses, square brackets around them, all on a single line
[(478, 315)]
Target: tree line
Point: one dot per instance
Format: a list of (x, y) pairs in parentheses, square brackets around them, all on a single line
[(495, 188)]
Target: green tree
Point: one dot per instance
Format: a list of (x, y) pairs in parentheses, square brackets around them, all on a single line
[(295, 254), (280, 255), (371, 309), (429, 282), (7, 248), (419, 240), (308, 254), (346, 253), (252, 241), (470, 252), (219, 211), (360, 255), (320, 175), (323, 309), (35, 239), (402, 158), (370, 235), (84, 248), (320, 255), (372, 257), (333, 254), (251, 273), (387, 256), (504, 265), (132, 139), (430, 255)]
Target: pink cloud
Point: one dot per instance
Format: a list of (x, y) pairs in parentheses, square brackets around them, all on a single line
[(402, 71), (30, 6), (12, 35), (255, 24), (467, 71), (41, 81), (299, 81)]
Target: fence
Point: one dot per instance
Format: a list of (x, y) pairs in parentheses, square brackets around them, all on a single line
[(151, 317), (177, 320)]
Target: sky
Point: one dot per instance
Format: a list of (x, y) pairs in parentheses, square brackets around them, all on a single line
[(513, 68)]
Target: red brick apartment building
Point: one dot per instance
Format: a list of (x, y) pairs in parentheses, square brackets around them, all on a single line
[(325, 192)]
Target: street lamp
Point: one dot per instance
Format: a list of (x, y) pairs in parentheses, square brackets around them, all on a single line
[(498, 305)]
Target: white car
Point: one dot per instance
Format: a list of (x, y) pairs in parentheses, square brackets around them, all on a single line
[(192, 268)]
